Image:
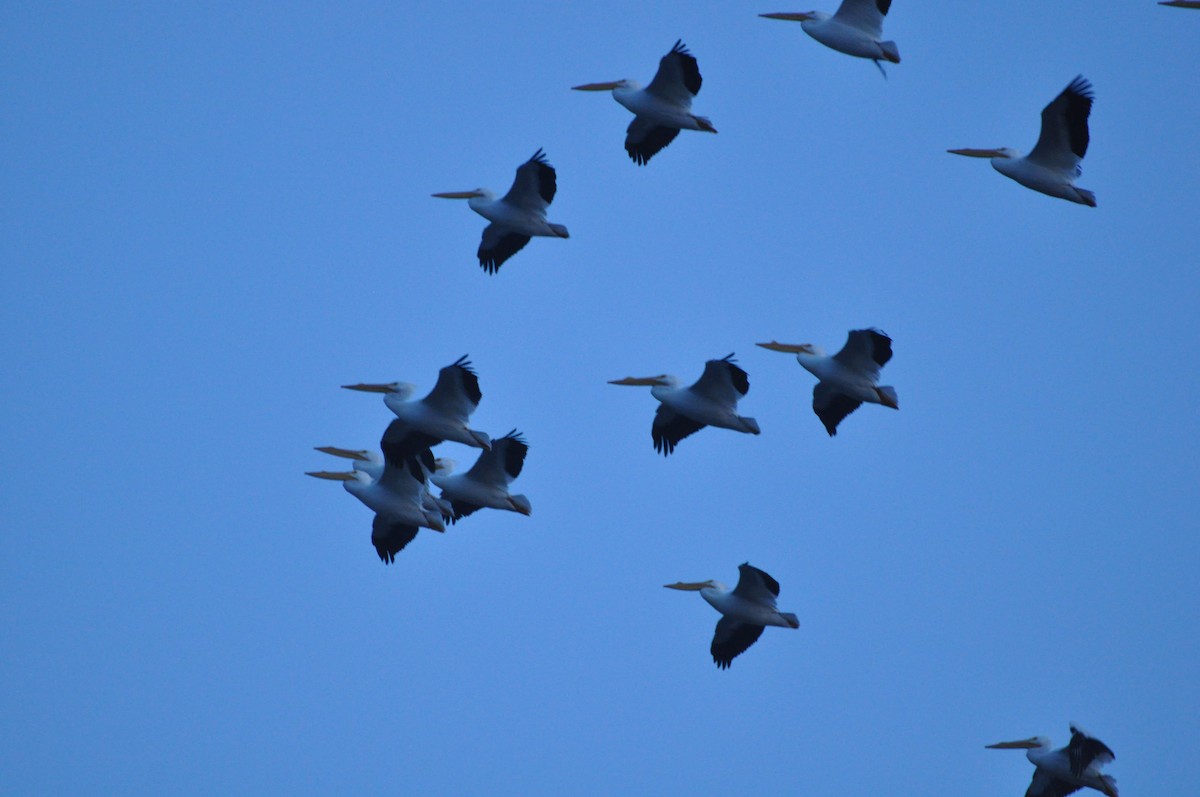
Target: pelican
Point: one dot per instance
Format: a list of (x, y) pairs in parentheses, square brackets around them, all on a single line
[(1052, 166), (746, 611), (1067, 769), (372, 464), (712, 401), (442, 415), (486, 483), (848, 378), (854, 29), (661, 109), (1181, 3), (518, 215)]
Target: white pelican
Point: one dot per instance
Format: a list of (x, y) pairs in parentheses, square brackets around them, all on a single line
[(486, 483), (1067, 769), (746, 611), (661, 109), (1181, 3), (854, 29), (1052, 166), (372, 464), (442, 415), (848, 378), (712, 401), (518, 215)]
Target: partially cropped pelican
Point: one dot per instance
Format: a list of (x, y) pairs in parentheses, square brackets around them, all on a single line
[(711, 401), (1067, 769), (745, 610), (663, 108), (518, 215), (486, 483), (1053, 165), (441, 415), (848, 378), (856, 28)]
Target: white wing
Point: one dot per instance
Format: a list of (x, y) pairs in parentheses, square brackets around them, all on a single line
[(722, 382), (866, 15), (756, 585), (1064, 138), (534, 187), (678, 77), (866, 351)]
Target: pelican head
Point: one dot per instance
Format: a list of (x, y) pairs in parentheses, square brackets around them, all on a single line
[(662, 380), (607, 85), (695, 586), (401, 390), (1032, 743), (999, 152)]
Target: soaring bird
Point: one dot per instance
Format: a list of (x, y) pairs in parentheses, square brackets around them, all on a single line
[(486, 483), (711, 401), (441, 415), (1067, 769), (1053, 165), (518, 215), (848, 378), (745, 611), (661, 109), (854, 29)]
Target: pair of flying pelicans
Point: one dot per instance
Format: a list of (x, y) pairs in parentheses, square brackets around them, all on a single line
[(664, 107), (396, 485)]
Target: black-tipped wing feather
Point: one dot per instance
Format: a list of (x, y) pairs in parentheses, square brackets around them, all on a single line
[(1083, 751), (678, 76), (645, 139), (866, 349), (670, 427), (498, 245), (731, 640), (1046, 785), (723, 381), (831, 406), (389, 537), (503, 462), (1064, 137), (400, 442)]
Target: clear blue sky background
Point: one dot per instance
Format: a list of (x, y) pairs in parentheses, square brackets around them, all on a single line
[(215, 214)]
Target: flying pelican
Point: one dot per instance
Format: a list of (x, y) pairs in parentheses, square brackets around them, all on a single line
[(442, 415), (518, 215), (1067, 769), (1181, 3), (372, 464), (486, 483), (848, 378), (854, 29), (661, 109), (746, 611), (1052, 166), (712, 401)]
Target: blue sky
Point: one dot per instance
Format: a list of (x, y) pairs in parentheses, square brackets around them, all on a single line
[(214, 215)]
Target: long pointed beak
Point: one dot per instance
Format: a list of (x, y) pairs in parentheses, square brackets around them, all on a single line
[(690, 586), (1023, 744), (609, 86), (345, 453), (786, 348), (457, 194), (978, 153), (791, 16), (638, 380), (370, 388), (336, 476), (1181, 3)]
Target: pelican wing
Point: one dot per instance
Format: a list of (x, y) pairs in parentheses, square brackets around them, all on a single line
[(389, 537), (404, 478), (832, 406), (1064, 138), (755, 585), (401, 441), (645, 139), (866, 351), (535, 185), (722, 382), (732, 639), (503, 462), (1084, 750), (497, 245), (678, 77), (670, 427), (1046, 785), (461, 509), (866, 15), (457, 390)]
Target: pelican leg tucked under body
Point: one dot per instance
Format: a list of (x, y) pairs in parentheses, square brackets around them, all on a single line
[(746, 610), (1067, 769), (661, 109), (856, 28)]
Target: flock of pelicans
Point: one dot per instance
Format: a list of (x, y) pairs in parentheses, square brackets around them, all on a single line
[(396, 485)]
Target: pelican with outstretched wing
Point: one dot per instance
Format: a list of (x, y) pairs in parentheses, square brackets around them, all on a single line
[(1067, 769), (486, 483), (856, 28)]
